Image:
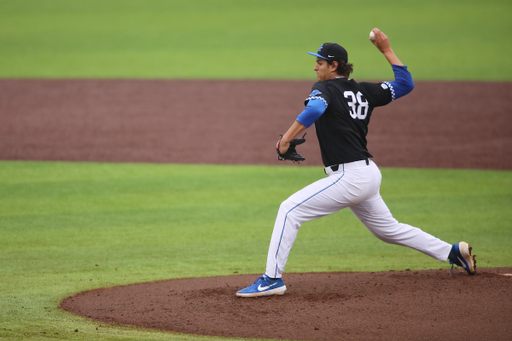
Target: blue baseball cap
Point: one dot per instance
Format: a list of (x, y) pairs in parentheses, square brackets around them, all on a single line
[(331, 52)]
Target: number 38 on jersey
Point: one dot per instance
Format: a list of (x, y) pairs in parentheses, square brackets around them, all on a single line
[(358, 105)]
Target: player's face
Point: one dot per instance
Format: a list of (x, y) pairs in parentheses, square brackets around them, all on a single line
[(323, 70)]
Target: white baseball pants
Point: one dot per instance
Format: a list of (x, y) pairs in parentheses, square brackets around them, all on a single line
[(355, 185)]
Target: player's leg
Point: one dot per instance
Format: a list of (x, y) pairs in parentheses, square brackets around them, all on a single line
[(376, 216), (314, 201), (349, 185)]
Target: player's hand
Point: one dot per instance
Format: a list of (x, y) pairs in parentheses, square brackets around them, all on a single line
[(283, 146), (381, 40), (382, 43), (286, 150)]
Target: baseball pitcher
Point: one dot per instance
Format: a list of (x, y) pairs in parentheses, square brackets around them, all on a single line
[(341, 108)]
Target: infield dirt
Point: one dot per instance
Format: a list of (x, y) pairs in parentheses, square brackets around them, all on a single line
[(439, 125)]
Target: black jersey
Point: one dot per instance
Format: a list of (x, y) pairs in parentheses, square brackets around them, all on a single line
[(342, 128)]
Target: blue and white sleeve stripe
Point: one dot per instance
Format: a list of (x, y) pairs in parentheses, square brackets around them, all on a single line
[(403, 83)]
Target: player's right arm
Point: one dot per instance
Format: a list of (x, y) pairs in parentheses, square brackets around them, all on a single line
[(382, 43), (403, 83)]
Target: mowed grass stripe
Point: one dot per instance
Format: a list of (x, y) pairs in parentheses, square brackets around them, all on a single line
[(232, 39)]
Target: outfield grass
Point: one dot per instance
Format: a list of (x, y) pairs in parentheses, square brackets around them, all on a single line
[(264, 39), (71, 227)]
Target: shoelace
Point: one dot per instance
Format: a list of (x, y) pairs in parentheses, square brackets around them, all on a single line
[(264, 279), (259, 278)]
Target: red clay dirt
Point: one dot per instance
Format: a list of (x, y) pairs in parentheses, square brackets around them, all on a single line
[(406, 305), (439, 125)]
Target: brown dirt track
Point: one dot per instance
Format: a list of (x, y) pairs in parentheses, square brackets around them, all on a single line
[(439, 125)]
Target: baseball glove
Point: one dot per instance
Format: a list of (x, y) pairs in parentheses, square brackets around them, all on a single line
[(291, 154)]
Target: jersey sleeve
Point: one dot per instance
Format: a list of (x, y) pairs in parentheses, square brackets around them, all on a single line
[(319, 91), (316, 104), (385, 92), (315, 107), (403, 83)]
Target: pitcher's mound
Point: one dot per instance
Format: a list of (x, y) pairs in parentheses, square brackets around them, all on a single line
[(405, 305)]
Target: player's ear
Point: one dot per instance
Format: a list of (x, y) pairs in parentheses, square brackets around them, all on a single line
[(334, 65)]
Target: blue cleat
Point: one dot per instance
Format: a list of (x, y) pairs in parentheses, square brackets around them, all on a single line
[(263, 286), (461, 256)]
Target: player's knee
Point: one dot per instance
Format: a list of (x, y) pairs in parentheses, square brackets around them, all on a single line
[(287, 205)]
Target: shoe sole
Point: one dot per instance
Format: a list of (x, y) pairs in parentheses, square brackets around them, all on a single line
[(465, 251), (277, 291)]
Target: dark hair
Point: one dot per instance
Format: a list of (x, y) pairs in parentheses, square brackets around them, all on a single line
[(344, 69)]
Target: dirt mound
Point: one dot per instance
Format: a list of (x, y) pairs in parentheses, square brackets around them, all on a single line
[(405, 305)]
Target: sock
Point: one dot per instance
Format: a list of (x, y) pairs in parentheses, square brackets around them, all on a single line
[(452, 257)]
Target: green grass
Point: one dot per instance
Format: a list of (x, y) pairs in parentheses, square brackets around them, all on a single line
[(71, 227), (264, 39)]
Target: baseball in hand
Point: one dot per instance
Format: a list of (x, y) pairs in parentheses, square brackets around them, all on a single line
[(372, 36)]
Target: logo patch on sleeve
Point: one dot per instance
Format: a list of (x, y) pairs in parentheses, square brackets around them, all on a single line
[(384, 86)]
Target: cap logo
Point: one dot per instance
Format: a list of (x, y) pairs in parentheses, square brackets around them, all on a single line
[(320, 49)]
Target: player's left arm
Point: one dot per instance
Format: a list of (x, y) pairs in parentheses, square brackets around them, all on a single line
[(295, 130), (315, 107)]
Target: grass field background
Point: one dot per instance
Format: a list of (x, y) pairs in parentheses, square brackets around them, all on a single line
[(447, 40), (70, 227)]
